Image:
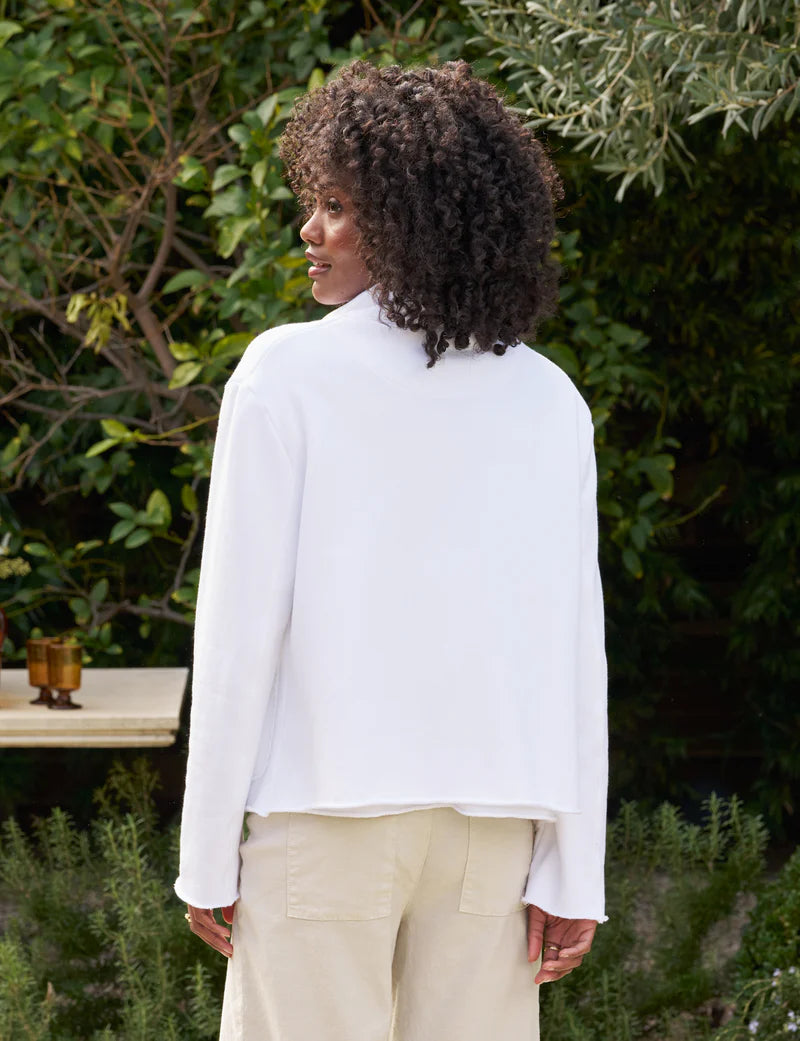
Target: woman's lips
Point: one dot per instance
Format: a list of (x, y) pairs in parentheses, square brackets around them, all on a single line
[(318, 267)]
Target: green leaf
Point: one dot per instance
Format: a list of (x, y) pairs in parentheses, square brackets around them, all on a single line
[(298, 47), (11, 451), (138, 538), (81, 548), (648, 499), (76, 304), (610, 508), (113, 428), (99, 591), (193, 175), (185, 280), (632, 562), (239, 133), (185, 373), (259, 172), (183, 351), (316, 79), (44, 142), (189, 498), (81, 608), (7, 30), (232, 232), (232, 345), (229, 203), (159, 509), (641, 532), (122, 509), (266, 110), (121, 529), (225, 174), (37, 549), (658, 469)]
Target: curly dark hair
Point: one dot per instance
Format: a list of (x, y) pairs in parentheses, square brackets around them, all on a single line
[(453, 198)]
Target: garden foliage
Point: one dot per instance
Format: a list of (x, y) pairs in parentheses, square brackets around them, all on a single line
[(622, 81), (768, 1000), (96, 946), (658, 968)]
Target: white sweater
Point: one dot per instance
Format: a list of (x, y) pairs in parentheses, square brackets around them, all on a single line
[(399, 602)]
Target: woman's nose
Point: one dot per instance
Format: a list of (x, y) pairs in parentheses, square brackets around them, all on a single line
[(311, 231)]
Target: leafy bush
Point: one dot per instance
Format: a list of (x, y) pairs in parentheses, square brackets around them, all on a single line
[(767, 1003), (767, 1008), (622, 81), (772, 939), (655, 970), (97, 948)]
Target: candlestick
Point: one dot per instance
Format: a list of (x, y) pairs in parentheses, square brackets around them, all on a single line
[(38, 675), (64, 669)]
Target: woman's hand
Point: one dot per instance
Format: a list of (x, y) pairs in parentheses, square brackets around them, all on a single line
[(203, 924), (563, 942)]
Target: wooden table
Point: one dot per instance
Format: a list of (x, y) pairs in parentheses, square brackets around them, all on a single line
[(121, 708)]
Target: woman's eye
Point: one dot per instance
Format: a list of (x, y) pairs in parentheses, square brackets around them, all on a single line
[(334, 206)]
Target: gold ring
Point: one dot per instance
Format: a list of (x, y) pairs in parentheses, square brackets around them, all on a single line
[(552, 947)]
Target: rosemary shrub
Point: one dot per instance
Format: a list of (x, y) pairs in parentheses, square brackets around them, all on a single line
[(96, 949)]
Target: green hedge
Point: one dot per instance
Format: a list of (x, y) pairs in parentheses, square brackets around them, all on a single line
[(96, 947)]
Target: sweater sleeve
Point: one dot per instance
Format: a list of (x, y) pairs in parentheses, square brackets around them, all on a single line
[(243, 608), (567, 868)]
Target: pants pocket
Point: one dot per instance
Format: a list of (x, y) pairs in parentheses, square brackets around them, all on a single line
[(339, 868), (498, 862)]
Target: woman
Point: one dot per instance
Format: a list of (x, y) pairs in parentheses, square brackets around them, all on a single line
[(399, 669)]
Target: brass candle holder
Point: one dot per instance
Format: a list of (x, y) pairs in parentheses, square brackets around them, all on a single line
[(64, 670), (38, 672)]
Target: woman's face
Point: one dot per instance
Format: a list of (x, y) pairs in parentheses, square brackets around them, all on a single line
[(336, 269)]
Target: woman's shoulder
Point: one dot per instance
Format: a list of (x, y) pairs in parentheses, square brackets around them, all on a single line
[(269, 352), (550, 377), (288, 351)]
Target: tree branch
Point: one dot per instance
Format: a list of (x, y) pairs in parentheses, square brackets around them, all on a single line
[(164, 246)]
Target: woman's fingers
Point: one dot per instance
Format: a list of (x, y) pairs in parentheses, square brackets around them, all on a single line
[(203, 924), (543, 976), (555, 968)]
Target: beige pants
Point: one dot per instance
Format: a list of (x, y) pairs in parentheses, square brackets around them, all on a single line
[(407, 927)]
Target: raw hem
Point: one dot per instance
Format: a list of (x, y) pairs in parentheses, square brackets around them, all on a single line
[(523, 811)]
